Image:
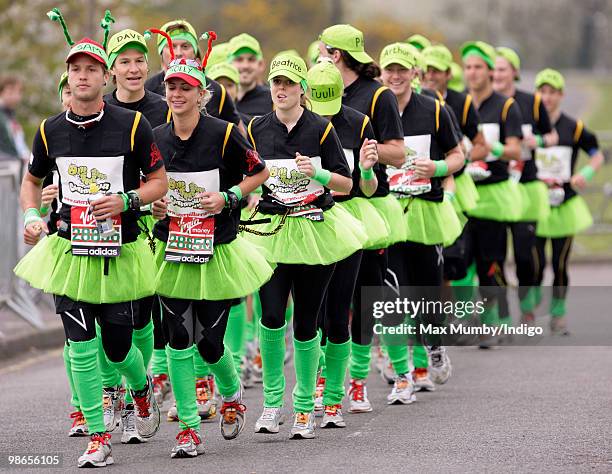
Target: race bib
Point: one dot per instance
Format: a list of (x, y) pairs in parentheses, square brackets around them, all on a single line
[(289, 186), (527, 130), (478, 170), (86, 239), (402, 181), (85, 179), (554, 164), (192, 229), (491, 134)]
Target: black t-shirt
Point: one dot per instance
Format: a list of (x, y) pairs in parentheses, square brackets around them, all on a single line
[(535, 117), (464, 110), (256, 102), (209, 148), (353, 128), (500, 118), (384, 115), (220, 105), (312, 136), (574, 135), (153, 106), (424, 119), (108, 138)]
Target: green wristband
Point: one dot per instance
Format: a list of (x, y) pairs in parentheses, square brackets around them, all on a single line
[(323, 176), (497, 149), (43, 210), (588, 172), (224, 197), (366, 175), (441, 168), (258, 190), (450, 195), (31, 215), (540, 141), (126, 201), (236, 190)]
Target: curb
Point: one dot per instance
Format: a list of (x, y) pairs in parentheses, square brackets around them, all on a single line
[(35, 339)]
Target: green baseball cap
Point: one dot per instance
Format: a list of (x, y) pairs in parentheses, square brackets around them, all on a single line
[(290, 52), (398, 53), (223, 70), (313, 52), (510, 56), (326, 88), (347, 38), (438, 57), (418, 41), (481, 49), (125, 39), (188, 70), (219, 54), (551, 77), (62, 82), (245, 44), (289, 66), (456, 81), (181, 30)]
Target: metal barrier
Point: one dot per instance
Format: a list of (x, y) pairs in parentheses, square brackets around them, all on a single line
[(12, 293)]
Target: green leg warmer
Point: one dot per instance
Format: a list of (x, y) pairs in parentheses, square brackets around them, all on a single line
[(202, 369), (360, 361), (110, 377), (159, 363), (132, 368), (337, 359), (235, 339), (419, 356), (182, 378), (88, 383), (306, 362), (557, 307), (272, 346), (143, 340), (74, 397), (226, 376)]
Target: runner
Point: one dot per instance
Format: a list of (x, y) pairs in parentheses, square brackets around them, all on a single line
[(302, 232), (569, 214), (97, 237), (345, 45), (203, 265)]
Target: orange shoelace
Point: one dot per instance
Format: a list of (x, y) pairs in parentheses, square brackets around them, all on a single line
[(332, 410), (202, 390), (302, 418), (420, 372), (229, 411)]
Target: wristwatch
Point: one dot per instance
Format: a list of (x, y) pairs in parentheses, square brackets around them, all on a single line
[(134, 202), (232, 201)]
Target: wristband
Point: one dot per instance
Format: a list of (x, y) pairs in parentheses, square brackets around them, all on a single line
[(258, 190), (43, 210), (441, 168), (497, 149), (588, 172), (31, 215), (237, 191), (323, 176), (366, 175), (126, 201), (540, 141), (450, 195), (224, 197)]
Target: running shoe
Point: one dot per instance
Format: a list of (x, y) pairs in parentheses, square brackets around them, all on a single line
[(172, 413), (147, 411), (332, 417), (440, 368), (403, 391), (358, 397), (232, 416), (388, 373), (303, 426), (422, 382), (558, 326), (206, 408), (112, 404), (128, 422), (319, 396), (79, 425), (270, 420), (98, 452), (190, 444), (161, 388)]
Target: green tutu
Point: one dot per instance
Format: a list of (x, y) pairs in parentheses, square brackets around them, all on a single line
[(535, 201), (392, 213), (374, 225), (500, 202), (430, 223), (302, 241), (236, 269), (51, 267), (466, 194), (570, 218)]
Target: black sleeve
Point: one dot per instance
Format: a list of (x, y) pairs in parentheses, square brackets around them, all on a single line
[(455, 122), (588, 141), (470, 127), (240, 154), (40, 163), (145, 149), (514, 120), (386, 119), (332, 155), (544, 126), (445, 136), (368, 132)]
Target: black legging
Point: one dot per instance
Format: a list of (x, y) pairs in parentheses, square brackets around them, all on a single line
[(308, 284), (159, 331), (201, 322), (561, 248)]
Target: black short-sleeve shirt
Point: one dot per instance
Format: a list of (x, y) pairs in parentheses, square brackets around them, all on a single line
[(153, 106), (255, 102)]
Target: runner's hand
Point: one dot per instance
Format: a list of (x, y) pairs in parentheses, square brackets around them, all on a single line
[(106, 207), (424, 168), (33, 231), (368, 155), (578, 182), (252, 201), (159, 208), (49, 194), (304, 165), (212, 202), (530, 142)]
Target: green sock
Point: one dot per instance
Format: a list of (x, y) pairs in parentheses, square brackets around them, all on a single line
[(289, 311), (322, 365), (132, 368), (256, 314), (226, 375), (490, 315), (234, 338), (398, 355), (272, 347), (360, 361), (88, 383), (557, 307), (528, 303), (202, 369), (159, 363), (337, 359), (537, 295), (182, 378), (110, 377), (249, 331), (74, 397), (419, 356), (143, 340), (306, 361)]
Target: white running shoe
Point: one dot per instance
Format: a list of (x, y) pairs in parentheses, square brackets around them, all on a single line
[(98, 452), (190, 444), (358, 397), (232, 416), (388, 372), (332, 417), (172, 413), (112, 404), (303, 426), (422, 382), (270, 420), (161, 388), (204, 399), (79, 425), (403, 391), (440, 368), (147, 411), (128, 421), (318, 409)]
